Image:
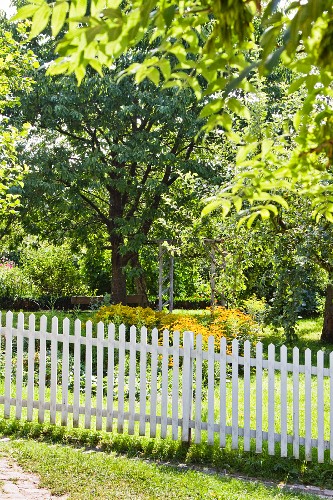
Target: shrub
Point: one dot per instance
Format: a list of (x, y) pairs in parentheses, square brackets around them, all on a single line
[(53, 271), (14, 281), (220, 322)]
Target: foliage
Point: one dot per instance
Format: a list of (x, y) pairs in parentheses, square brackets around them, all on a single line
[(53, 271), (219, 321), (14, 281), (218, 50), (15, 63)]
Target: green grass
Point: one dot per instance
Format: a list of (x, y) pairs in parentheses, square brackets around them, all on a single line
[(86, 473)]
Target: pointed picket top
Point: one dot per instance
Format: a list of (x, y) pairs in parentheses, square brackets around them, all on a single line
[(32, 323), (20, 321), (111, 331), (9, 318), (295, 351), (143, 336), (77, 327), (247, 345), (89, 325), (54, 324), (223, 344), (133, 333), (100, 330), (43, 323), (198, 340), (283, 350), (235, 345)]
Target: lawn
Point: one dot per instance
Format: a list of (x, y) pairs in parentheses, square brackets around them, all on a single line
[(88, 474)]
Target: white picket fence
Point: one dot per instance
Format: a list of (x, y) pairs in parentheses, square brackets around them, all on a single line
[(137, 383)]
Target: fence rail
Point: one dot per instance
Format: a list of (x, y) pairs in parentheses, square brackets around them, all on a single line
[(167, 385)]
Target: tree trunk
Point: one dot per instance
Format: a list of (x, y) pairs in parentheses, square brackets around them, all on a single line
[(327, 331), (118, 278), (140, 279)]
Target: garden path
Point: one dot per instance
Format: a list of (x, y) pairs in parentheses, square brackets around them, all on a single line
[(16, 484)]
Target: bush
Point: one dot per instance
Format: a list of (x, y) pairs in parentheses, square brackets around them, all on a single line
[(14, 281), (220, 322), (53, 271)]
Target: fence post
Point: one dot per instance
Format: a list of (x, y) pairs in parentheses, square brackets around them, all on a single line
[(187, 390)]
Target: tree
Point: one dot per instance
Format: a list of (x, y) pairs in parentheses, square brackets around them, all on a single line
[(105, 157), (215, 47), (14, 65)]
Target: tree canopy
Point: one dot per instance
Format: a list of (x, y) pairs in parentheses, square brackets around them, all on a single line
[(214, 47)]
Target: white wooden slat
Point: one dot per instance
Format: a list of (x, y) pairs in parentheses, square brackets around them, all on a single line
[(331, 405), (271, 402), (88, 376), (187, 386), (210, 395), (31, 367), (247, 392), (153, 385), (198, 389), (19, 365), (42, 368), (110, 378), (54, 370), (175, 385), (77, 373), (131, 381), (308, 408), (320, 405), (259, 397), (165, 384), (99, 388), (143, 381), (121, 378), (296, 402), (223, 391), (234, 398), (284, 401), (8, 363), (65, 371)]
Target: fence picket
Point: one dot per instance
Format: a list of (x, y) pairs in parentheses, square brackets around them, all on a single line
[(131, 381), (65, 371), (31, 367), (198, 389), (54, 370), (77, 374), (42, 368), (19, 365), (284, 402), (210, 391), (223, 392), (87, 389), (153, 385), (259, 397), (175, 385), (187, 386), (110, 378), (165, 384), (8, 363), (99, 387), (320, 405), (296, 402), (247, 392), (271, 402), (143, 381), (308, 409), (234, 394), (121, 378)]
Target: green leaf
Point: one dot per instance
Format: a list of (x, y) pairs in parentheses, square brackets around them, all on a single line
[(78, 8), (154, 75), (237, 107), (40, 20), (26, 11), (266, 146), (58, 17), (212, 107), (168, 15)]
